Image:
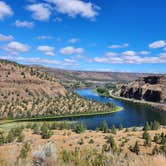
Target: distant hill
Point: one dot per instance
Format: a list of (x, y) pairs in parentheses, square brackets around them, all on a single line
[(71, 75)]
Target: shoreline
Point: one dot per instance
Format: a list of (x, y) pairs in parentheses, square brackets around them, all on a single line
[(59, 117), (158, 106)]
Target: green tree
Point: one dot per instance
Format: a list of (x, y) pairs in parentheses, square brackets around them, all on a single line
[(79, 128), (112, 144), (120, 127), (45, 132), (136, 148), (104, 126), (147, 126), (147, 139), (113, 129), (156, 125)]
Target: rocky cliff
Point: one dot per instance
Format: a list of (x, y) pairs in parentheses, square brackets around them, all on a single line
[(151, 88)]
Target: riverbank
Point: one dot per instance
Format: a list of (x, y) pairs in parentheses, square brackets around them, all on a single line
[(60, 117), (155, 106)]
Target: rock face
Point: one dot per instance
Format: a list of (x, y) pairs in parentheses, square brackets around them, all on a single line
[(151, 88)]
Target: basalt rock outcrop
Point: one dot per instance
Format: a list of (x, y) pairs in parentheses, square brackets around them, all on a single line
[(151, 88)]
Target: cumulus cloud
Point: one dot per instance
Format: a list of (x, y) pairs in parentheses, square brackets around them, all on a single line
[(15, 47), (108, 54), (157, 44), (144, 52), (75, 7), (131, 58), (119, 46), (5, 10), (73, 40), (37, 60), (47, 50), (24, 24), (71, 50), (129, 53), (40, 11), (5, 37)]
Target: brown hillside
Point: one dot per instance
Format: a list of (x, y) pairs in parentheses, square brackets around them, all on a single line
[(18, 80), (27, 92)]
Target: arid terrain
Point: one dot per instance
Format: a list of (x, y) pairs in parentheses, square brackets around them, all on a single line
[(63, 144), (27, 92)]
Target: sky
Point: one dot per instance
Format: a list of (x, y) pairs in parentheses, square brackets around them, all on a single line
[(94, 35)]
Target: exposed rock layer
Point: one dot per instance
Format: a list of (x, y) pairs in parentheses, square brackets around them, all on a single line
[(151, 88)]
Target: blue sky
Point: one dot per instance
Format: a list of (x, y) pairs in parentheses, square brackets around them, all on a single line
[(105, 35)]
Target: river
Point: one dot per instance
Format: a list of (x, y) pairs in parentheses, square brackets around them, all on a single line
[(131, 115)]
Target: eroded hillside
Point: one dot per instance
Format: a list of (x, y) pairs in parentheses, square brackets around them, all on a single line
[(28, 92), (151, 88)]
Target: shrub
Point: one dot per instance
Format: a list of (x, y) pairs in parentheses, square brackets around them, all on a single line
[(63, 125), (81, 142), (147, 139), (147, 126), (20, 138), (10, 137), (36, 129), (155, 150), (120, 127), (65, 156), (79, 128), (136, 148), (24, 151), (91, 141), (112, 144), (156, 125), (2, 138), (113, 129), (104, 126), (45, 132)]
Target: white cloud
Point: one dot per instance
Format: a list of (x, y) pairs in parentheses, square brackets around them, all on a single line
[(144, 52), (24, 24), (15, 47), (44, 37), (40, 11), (131, 58), (6, 38), (71, 50), (157, 44), (47, 50), (37, 60), (70, 60), (5, 10), (111, 54), (119, 46), (76, 7), (73, 40), (129, 53)]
